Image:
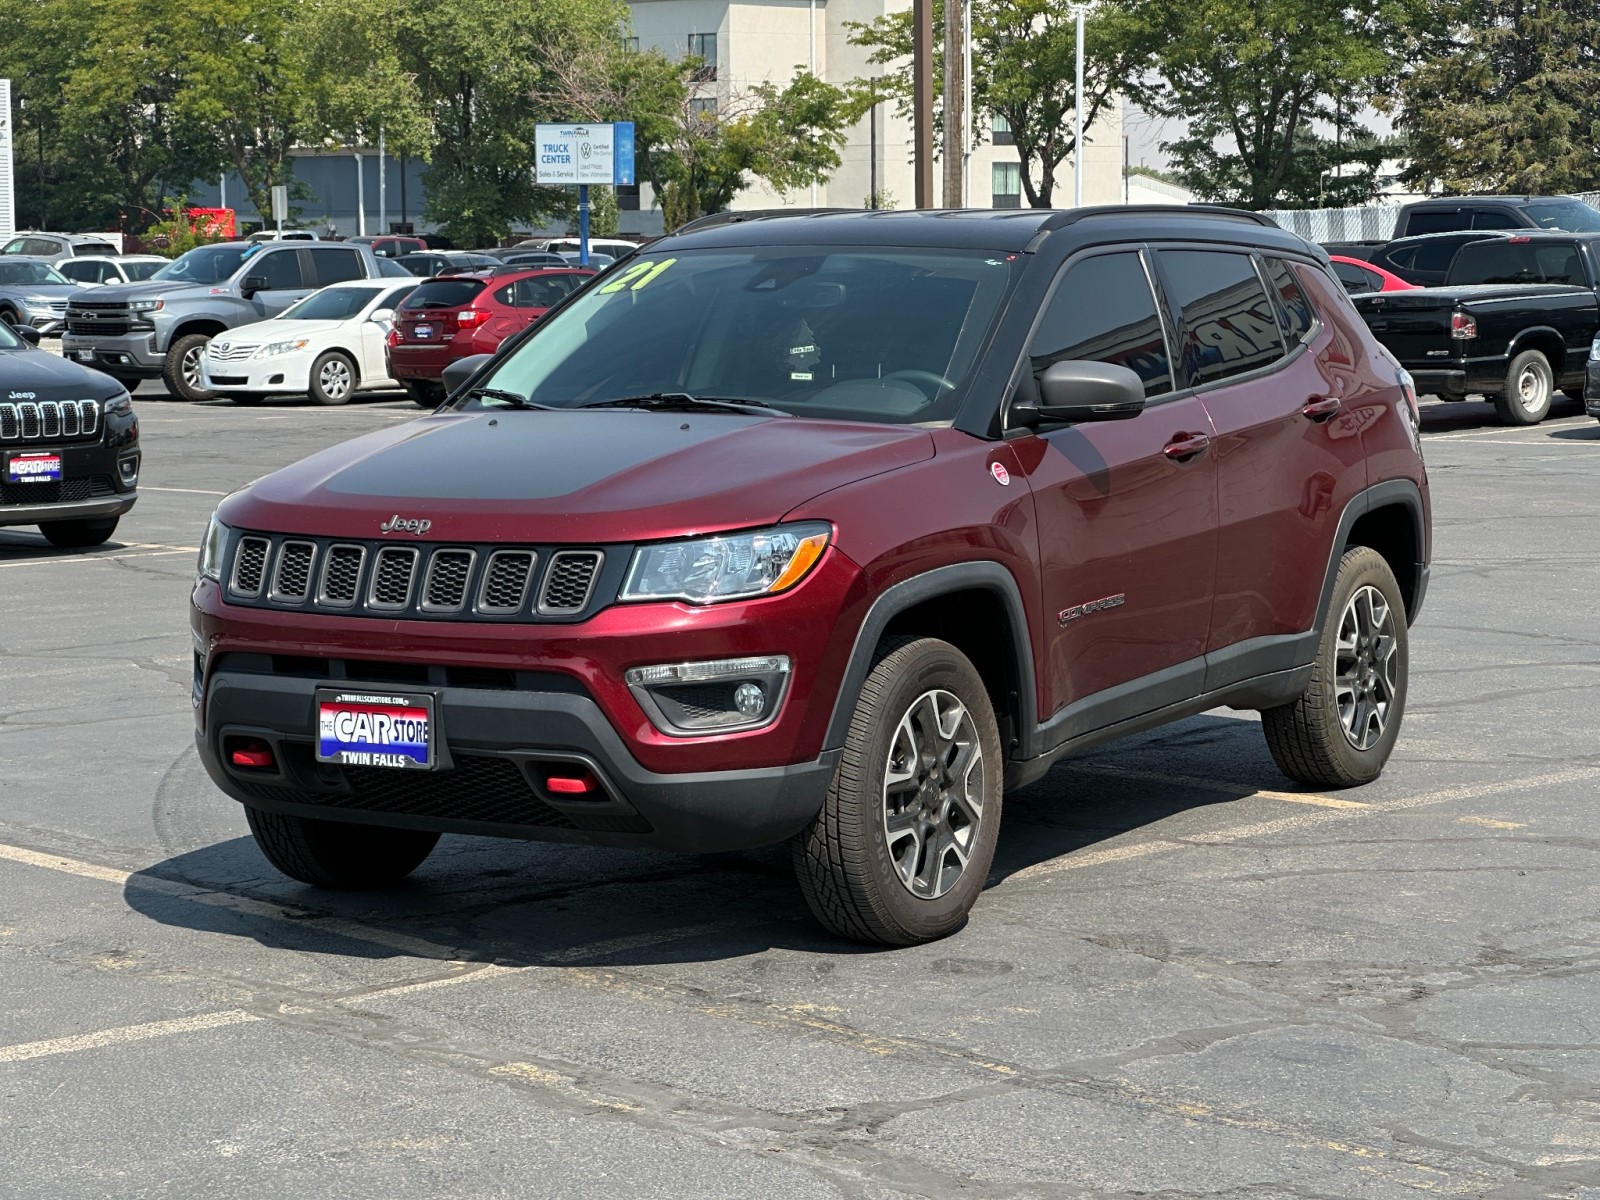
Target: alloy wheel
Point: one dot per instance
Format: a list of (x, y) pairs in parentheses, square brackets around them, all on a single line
[(1365, 664), (334, 378), (933, 793), (191, 368)]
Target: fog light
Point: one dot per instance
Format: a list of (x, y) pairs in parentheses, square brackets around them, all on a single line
[(723, 696), (129, 469)]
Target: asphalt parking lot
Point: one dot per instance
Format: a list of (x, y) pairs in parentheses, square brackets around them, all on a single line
[(1187, 977)]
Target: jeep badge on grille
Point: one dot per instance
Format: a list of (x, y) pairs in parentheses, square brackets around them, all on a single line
[(399, 524)]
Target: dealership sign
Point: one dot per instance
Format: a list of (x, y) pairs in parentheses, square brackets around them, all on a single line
[(584, 154)]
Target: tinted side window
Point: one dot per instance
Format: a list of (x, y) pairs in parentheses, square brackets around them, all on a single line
[(1494, 218), (336, 266), (1397, 258), (83, 272), (280, 269), (1560, 263), (1104, 311), (1438, 220), (1294, 308), (1229, 324), (539, 292), (1436, 256)]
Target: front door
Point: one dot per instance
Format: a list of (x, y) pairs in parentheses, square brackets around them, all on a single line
[(1127, 512)]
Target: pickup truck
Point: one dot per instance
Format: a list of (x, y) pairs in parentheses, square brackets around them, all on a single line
[(1513, 322), (159, 328), (1457, 214)]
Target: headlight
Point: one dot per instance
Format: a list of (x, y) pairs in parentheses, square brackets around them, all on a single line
[(146, 305), (211, 550), (273, 349), (119, 406), (1594, 349), (731, 567)]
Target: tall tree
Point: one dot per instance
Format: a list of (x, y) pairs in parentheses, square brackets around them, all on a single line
[(1505, 97), (1024, 70), (357, 83), (1268, 89)]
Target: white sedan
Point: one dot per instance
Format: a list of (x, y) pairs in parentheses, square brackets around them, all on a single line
[(328, 346)]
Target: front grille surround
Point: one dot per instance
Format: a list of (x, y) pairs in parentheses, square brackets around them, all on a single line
[(489, 583)]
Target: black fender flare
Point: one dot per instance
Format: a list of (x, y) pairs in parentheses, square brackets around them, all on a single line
[(1379, 495), (986, 576)]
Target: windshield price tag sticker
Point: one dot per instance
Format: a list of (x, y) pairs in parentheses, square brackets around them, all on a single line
[(363, 730), (34, 468), (640, 275)]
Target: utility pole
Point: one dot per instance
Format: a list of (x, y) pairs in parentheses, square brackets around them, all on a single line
[(922, 99), (383, 185), (1079, 11), (954, 113)]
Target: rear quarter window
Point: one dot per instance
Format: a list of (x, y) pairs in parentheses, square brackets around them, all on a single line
[(444, 293)]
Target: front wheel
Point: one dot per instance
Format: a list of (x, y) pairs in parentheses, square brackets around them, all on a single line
[(74, 535), (1342, 728), (903, 843), (180, 370), (338, 854), (1530, 387), (333, 378)]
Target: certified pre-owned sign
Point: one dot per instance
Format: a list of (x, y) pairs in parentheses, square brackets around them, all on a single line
[(582, 154)]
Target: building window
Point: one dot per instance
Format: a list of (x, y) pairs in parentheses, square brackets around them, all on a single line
[(630, 45), (703, 108), (627, 197), (1007, 185), (704, 47), (1000, 129)]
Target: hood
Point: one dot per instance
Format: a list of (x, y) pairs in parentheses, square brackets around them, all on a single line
[(149, 289), (48, 377), (53, 291), (607, 476), (259, 333)]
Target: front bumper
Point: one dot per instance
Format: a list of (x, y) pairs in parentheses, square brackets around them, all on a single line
[(1591, 389), (289, 373), (98, 480), (46, 320), (133, 355), (501, 746)]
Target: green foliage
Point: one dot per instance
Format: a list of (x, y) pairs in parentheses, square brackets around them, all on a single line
[(176, 233), (1505, 97), (1262, 84), (1024, 69)]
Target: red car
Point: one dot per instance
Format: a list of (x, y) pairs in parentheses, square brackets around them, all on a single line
[(1360, 277), (830, 529), (457, 316)]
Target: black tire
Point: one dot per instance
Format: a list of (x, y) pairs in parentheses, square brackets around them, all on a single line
[(336, 854), (9, 317), (846, 861), (180, 370), (423, 393), (1309, 738), (1530, 387), (245, 399), (333, 378), (74, 535)]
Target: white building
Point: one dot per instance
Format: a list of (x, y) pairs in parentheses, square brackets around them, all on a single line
[(752, 41)]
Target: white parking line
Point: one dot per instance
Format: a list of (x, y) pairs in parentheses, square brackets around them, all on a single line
[(91, 558), (23, 1051)]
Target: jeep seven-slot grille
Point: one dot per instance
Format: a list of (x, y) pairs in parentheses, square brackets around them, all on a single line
[(422, 580), (49, 420)]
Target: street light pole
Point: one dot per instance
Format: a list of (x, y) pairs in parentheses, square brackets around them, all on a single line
[(1079, 11), (922, 100)]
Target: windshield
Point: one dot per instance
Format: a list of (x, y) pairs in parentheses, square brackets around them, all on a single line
[(142, 270), (887, 335), (1572, 216), (330, 304), (30, 272), (205, 264)]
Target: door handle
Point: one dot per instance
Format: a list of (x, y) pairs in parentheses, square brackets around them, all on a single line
[(1320, 408), (1185, 446)]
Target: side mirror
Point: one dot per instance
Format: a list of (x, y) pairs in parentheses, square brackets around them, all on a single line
[(27, 333), (382, 316), (1083, 390), (463, 369), (252, 284)]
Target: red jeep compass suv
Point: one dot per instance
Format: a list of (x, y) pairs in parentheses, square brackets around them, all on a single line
[(829, 528)]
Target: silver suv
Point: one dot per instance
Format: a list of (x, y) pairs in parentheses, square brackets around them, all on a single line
[(159, 328)]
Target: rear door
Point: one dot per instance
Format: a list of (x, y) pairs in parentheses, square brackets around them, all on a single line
[(1127, 509), (336, 264)]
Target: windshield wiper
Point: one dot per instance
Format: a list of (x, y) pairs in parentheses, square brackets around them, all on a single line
[(501, 396), (667, 401)]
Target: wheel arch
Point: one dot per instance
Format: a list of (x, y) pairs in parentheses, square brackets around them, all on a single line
[(976, 607), (1543, 339), (1389, 518), (201, 325)]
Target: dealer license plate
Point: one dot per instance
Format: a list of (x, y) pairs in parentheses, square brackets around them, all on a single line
[(376, 729), (34, 468), (423, 331), (83, 355)]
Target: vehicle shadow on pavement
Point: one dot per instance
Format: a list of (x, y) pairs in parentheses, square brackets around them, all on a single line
[(1579, 433), (21, 545), (515, 903), (1461, 415)]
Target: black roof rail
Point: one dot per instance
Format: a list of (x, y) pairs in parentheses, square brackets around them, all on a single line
[(713, 220), (1220, 212)]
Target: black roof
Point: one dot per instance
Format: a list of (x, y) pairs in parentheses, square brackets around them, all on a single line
[(1013, 229)]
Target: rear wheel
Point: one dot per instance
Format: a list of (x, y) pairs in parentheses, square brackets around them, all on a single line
[(1340, 731), (337, 854), (903, 843), (333, 378), (180, 370), (423, 392), (72, 535), (1530, 385)]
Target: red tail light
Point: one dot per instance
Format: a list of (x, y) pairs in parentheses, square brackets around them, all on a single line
[(394, 336), (1463, 326), (468, 317)]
